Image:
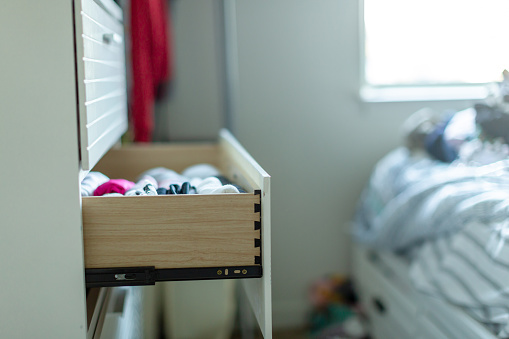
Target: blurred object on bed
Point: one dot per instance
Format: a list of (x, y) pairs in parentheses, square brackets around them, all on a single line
[(475, 136), (418, 126)]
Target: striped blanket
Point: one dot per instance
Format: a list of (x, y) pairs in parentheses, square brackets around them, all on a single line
[(451, 222)]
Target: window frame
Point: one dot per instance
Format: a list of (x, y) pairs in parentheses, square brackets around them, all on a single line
[(411, 92)]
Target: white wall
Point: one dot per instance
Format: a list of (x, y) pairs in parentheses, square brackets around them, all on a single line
[(194, 107), (42, 285), (299, 115), (297, 111)]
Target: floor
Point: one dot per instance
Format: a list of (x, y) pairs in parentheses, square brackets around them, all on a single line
[(280, 334), (290, 334)]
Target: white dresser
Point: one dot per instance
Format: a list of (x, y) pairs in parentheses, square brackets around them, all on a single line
[(62, 107)]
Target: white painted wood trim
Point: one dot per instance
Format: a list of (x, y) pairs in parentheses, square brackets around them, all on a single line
[(259, 291), (101, 74), (41, 244), (112, 8), (390, 271), (100, 303)]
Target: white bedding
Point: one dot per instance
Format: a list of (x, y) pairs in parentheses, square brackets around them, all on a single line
[(452, 222)]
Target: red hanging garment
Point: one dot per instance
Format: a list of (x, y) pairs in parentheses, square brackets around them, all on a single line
[(150, 61)]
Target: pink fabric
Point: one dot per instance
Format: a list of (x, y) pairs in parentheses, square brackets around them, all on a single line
[(114, 186)]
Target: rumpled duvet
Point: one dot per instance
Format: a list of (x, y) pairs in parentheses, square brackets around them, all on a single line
[(451, 221)]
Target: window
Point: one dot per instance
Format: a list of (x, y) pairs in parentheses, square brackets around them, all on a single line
[(435, 42)]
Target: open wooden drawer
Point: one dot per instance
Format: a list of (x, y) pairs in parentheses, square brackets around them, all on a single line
[(141, 240)]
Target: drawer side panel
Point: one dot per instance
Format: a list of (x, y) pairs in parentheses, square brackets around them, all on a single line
[(170, 231), (239, 165)]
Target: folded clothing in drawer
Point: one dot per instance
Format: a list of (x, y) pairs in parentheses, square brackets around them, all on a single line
[(197, 179), (142, 239)]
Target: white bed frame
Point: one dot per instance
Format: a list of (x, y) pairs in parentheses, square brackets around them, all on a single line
[(397, 310)]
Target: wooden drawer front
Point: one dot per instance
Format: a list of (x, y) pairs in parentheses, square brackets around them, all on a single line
[(100, 51), (171, 231)]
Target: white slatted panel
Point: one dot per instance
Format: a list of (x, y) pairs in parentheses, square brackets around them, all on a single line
[(101, 78)]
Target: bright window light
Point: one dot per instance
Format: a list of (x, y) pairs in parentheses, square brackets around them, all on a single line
[(423, 42)]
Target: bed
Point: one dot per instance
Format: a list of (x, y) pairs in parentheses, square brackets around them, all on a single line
[(431, 258)]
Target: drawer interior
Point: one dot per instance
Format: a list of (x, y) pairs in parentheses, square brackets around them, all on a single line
[(174, 231), (128, 162)]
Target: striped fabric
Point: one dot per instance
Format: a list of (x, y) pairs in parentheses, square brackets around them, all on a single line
[(470, 269), (452, 222), (410, 198)]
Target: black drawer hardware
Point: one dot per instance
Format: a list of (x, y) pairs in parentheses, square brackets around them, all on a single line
[(258, 226), (138, 276), (258, 207), (125, 276), (129, 276)]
